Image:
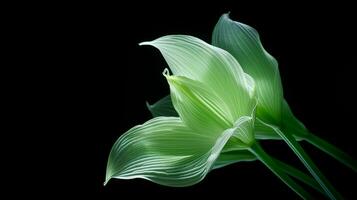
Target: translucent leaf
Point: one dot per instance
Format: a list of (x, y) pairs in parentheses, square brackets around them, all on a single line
[(164, 107), (214, 67), (166, 152), (203, 110), (200, 108), (245, 128), (243, 42)]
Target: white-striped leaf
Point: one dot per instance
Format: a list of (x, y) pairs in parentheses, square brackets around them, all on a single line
[(243, 42), (214, 67), (166, 152)]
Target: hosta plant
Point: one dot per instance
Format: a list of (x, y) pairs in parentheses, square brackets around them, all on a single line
[(224, 98)]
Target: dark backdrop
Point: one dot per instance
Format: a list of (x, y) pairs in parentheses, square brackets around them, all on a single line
[(104, 79)]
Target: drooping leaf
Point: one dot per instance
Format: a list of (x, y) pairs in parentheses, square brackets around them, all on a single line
[(214, 67), (166, 152), (243, 42)]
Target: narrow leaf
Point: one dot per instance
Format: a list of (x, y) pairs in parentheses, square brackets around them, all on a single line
[(309, 164), (333, 151), (301, 176), (257, 150)]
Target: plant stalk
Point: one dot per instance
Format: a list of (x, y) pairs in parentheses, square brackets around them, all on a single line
[(309, 164), (331, 150), (258, 151)]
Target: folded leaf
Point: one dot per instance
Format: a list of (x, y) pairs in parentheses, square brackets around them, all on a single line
[(243, 42), (214, 67), (166, 152), (200, 108)]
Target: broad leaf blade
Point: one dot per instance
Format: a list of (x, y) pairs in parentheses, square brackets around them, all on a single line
[(214, 67), (166, 152), (164, 107), (199, 107), (243, 42)]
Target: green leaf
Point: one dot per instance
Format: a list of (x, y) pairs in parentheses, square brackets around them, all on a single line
[(230, 157), (263, 132), (198, 106), (289, 123), (166, 152), (214, 67), (243, 42), (203, 110), (163, 107)]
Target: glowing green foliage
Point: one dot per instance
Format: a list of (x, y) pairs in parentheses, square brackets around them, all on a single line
[(224, 98)]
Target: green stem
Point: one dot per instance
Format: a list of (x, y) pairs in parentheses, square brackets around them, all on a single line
[(230, 157), (292, 171), (309, 164), (258, 151), (332, 151)]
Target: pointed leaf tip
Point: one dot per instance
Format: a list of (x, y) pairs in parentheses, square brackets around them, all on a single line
[(214, 67), (164, 150), (105, 182), (243, 42)]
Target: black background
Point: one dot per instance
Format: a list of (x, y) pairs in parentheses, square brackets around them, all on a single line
[(102, 79)]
